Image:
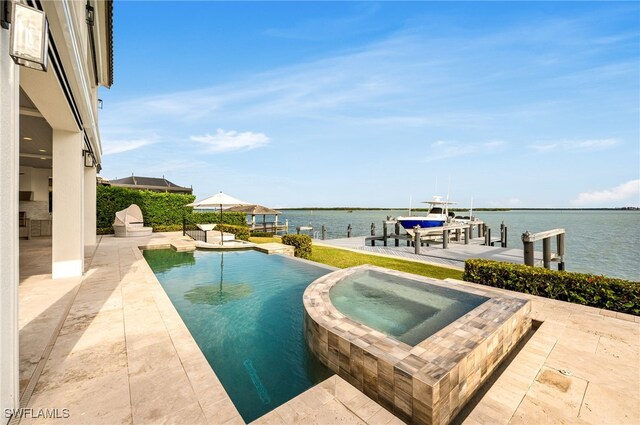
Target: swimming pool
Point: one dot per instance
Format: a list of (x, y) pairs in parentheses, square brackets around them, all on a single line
[(404, 308), (245, 311)]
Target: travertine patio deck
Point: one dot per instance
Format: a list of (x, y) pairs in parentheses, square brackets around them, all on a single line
[(111, 348)]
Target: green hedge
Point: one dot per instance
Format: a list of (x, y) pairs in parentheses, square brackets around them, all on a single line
[(162, 211), (241, 232), (262, 234), (301, 243), (586, 289), (231, 218)]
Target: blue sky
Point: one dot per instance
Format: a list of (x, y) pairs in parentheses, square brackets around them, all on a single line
[(366, 104)]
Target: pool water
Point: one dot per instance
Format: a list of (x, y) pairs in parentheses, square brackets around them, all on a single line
[(407, 309), (245, 311)]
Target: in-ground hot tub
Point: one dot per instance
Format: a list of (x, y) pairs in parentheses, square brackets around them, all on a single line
[(420, 347)]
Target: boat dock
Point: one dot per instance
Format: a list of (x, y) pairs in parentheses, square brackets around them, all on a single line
[(452, 245)]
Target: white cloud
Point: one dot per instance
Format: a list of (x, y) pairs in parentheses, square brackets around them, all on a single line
[(594, 145), (228, 141), (493, 144), (111, 147), (629, 191), (589, 145), (544, 147), (444, 149)]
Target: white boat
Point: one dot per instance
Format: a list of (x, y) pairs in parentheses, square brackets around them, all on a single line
[(466, 219), (436, 216)]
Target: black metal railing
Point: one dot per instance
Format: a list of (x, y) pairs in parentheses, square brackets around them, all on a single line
[(193, 231)]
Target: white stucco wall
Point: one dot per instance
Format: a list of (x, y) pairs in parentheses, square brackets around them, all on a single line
[(40, 184), (25, 179), (35, 180), (90, 206), (9, 156), (68, 204)]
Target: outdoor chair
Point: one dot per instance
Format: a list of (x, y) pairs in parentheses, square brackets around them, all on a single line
[(130, 223)]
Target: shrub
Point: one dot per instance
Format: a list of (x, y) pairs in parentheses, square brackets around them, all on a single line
[(586, 289), (301, 244), (232, 218), (241, 232), (262, 234), (168, 228), (158, 209), (104, 231)]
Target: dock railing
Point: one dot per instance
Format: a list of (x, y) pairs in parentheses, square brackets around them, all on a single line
[(391, 229), (269, 226), (529, 240)]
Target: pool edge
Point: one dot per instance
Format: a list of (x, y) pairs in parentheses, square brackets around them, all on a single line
[(208, 389)]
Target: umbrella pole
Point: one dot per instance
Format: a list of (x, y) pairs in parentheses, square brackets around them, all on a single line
[(221, 232)]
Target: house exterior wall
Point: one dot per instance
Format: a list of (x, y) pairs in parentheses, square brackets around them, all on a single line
[(89, 206), (9, 172), (66, 97), (68, 202), (35, 180)]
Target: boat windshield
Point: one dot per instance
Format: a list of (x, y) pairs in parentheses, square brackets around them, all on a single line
[(436, 210)]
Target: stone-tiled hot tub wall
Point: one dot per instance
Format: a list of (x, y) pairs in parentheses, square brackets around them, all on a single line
[(425, 384)]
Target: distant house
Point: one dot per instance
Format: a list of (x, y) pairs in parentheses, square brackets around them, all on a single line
[(153, 184)]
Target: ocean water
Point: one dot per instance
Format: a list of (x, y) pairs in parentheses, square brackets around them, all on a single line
[(245, 311), (600, 242)]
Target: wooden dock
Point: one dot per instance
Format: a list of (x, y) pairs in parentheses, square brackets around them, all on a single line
[(453, 256), (451, 244)]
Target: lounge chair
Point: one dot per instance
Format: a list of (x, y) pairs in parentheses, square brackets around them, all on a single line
[(130, 223)]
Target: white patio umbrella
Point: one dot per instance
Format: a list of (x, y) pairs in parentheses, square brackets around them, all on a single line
[(218, 200)]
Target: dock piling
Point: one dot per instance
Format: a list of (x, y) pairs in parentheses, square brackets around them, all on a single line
[(466, 235), (528, 250), (445, 239), (385, 233), (560, 248), (397, 232), (349, 231), (546, 253), (324, 232), (417, 243), (373, 229)]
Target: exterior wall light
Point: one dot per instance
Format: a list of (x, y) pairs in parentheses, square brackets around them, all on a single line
[(89, 162), (5, 14), (29, 37)]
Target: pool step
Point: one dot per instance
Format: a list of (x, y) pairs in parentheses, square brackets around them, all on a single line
[(183, 245), (275, 248)]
